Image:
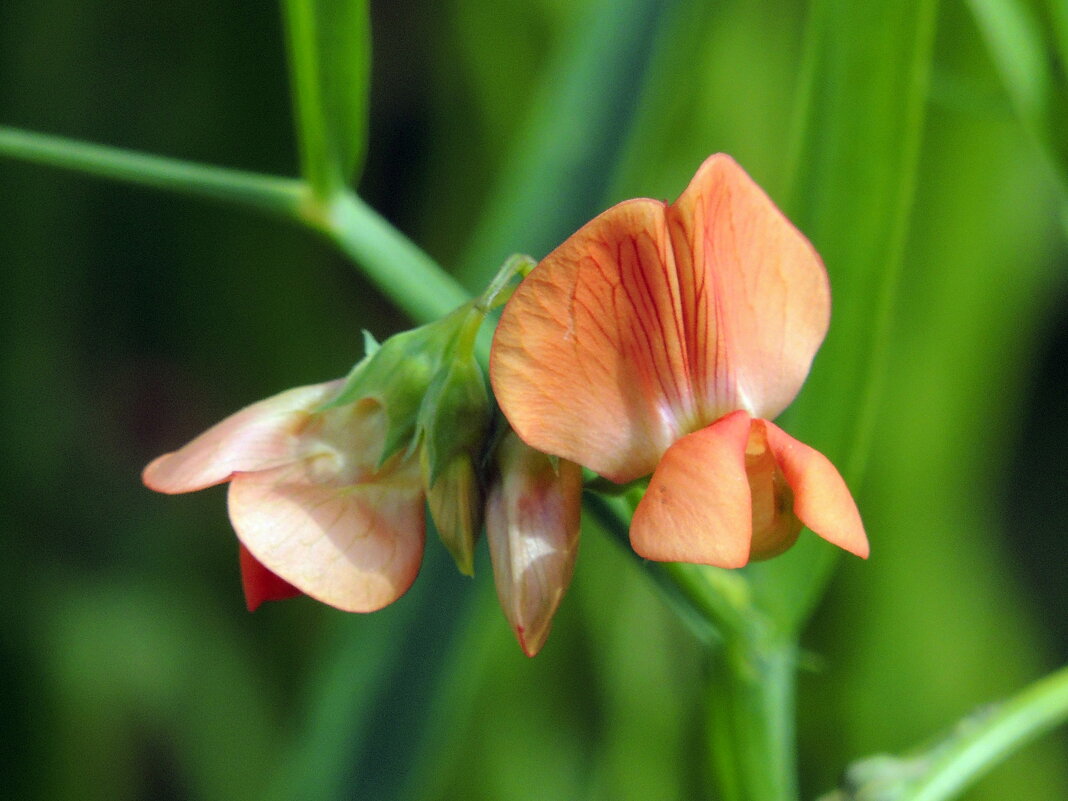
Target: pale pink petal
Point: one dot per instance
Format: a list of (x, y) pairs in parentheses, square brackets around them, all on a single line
[(259, 437), (259, 583), (355, 547), (532, 524), (588, 360), (755, 296), (698, 506), (822, 500)]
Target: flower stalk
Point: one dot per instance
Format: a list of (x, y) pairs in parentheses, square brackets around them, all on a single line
[(750, 719)]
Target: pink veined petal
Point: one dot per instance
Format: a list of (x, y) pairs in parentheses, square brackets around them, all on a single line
[(259, 583), (698, 506), (532, 525), (588, 360), (355, 547), (755, 296), (259, 437), (822, 500)]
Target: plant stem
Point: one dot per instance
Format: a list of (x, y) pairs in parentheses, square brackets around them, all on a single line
[(989, 736), (267, 193), (395, 264), (750, 698), (750, 720), (390, 260), (941, 770), (317, 162)]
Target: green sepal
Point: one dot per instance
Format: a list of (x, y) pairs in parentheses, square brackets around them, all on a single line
[(397, 374), (456, 507), (455, 415), (370, 344)]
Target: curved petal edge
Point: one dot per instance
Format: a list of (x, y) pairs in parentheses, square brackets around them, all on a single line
[(356, 548), (822, 500), (259, 437), (698, 506)]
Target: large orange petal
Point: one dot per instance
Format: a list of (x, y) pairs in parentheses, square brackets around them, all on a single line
[(822, 500), (698, 506), (355, 547), (259, 437), (588, 360), (755, 297)]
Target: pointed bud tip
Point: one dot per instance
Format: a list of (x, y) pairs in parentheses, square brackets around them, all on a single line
[(531, 642)]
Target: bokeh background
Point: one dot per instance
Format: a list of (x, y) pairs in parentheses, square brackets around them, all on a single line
[(133, 319)]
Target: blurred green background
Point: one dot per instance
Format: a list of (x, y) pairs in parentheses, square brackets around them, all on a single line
[(922, 144)]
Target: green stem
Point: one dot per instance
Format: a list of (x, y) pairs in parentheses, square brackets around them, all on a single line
[(750, 697), (395, 264), (282, 196), (390, 260), (317, 162), (750, 721), (984, 740), (943, 769)]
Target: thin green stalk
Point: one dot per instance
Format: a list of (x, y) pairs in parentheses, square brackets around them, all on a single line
[(281, 196), (945, 768), (396, 265), (989, 737), (390, 260), (750, 721), (750, 697), (317, 162)]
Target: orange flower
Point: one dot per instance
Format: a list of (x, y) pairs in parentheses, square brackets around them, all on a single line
[(314, 511), (663, 338)]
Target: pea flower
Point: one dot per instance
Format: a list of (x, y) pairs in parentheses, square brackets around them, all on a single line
[(664, 338), (313, 508)]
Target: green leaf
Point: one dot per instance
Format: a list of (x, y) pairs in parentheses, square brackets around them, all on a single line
[(330, 66), (1024, 53), (563, 154), (857, 136)]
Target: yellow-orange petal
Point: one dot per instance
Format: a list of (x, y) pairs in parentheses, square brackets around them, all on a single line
[(755, 296), (698, 506), (356, 547), (259, 437), (259, 583), (822, 500), (588, 360)]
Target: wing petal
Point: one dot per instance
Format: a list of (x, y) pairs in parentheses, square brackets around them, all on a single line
[(260, 584), (698, 507), (355, 547), (822, 500)]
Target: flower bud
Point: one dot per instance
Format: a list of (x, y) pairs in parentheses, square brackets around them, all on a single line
[(532, 522)]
